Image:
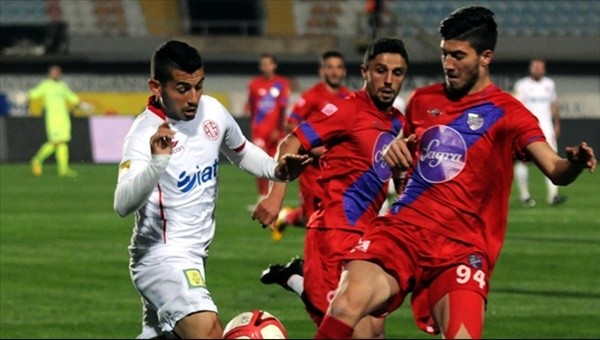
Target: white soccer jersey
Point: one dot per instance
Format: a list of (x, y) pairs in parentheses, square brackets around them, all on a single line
[(174, 195), (537, 96)]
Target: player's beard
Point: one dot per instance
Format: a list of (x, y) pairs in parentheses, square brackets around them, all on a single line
[(332, 84), (383, 105), (461, 91)]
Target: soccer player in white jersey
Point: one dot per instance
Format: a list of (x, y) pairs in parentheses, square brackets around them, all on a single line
[(538, 93), (168, 178)]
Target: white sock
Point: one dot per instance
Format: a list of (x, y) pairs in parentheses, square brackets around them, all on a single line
[(522, 178), (552, 190), (296, 282)]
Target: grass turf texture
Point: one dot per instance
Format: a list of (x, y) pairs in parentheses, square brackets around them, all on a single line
[(63, 257)]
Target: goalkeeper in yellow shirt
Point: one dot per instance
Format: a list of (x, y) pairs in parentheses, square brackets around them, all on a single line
[(57, 97)]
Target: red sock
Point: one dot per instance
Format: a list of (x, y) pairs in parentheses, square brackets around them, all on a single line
[(295, 217), (332, 328), (466, 310)]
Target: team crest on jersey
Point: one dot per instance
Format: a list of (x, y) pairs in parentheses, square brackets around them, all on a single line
[(329, 109), (443, 154), (475, 261), (211, 129), (434, 112), (194, 278), (474, 120)]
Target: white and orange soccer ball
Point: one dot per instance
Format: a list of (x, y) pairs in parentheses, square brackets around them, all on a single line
[(254, 324)]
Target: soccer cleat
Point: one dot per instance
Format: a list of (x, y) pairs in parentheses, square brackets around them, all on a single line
[(68, 173), (558, 199), (528, 202), (279, 274), (280, 224), (36, 168)]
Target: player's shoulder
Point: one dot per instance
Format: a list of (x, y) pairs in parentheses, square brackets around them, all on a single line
[(426, 92), (548, 80), (209, 100), (211, 106), (506, 99)]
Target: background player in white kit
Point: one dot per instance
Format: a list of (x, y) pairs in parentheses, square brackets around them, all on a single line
[(168, 177), (538, 93)]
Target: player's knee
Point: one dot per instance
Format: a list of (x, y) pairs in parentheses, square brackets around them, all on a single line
[(201, 325), (369, 328)]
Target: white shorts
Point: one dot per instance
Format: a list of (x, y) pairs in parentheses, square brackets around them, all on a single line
[(172, 286)]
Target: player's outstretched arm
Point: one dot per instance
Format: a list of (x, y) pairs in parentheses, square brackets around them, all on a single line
[(562, 171)]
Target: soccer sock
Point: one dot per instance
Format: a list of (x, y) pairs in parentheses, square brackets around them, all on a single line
[(522, 178), (466, 315), (552, 190), (296, 283), (44, 152), (62, 157), (332, 328)]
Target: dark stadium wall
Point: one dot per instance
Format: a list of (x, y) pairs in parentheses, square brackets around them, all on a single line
[(20, 137), (23, 137)]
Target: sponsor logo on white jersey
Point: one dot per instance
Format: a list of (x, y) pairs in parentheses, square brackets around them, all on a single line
[(188, 181)]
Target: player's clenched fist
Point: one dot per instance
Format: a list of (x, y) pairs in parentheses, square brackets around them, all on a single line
[(160, 142), (399, 153)]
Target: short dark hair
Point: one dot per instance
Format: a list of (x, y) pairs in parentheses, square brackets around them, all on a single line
[(331, 54), (474, 24), (174, 55), (270, 56), (385, 45)]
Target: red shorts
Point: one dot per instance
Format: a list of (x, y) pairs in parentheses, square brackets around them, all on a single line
[(423, 262), (310, 190), (323, 251)]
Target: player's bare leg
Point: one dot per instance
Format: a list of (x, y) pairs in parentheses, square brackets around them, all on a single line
[(364, 287), (201, 325), (369, 328), (459, 315)]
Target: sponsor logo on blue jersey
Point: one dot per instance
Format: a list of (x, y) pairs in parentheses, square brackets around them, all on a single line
[(188, 181), (443, 154)]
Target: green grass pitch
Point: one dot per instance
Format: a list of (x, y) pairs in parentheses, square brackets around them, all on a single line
[(63, 257)]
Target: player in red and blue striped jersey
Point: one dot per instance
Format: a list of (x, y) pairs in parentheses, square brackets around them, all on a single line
[(332, 72), (442, 237), (268, 97), (355, 132)]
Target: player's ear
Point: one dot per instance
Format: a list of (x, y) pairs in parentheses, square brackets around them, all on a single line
[(363, 71), (154, 86), (486, 57)]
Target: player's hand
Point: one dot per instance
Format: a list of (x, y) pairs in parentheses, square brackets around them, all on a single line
[(291, 166), (266, 210), (160, 142), (582, 155), (86, 107), (399, 153)]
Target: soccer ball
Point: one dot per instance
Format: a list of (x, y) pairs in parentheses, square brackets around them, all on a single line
[(254, 324)]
